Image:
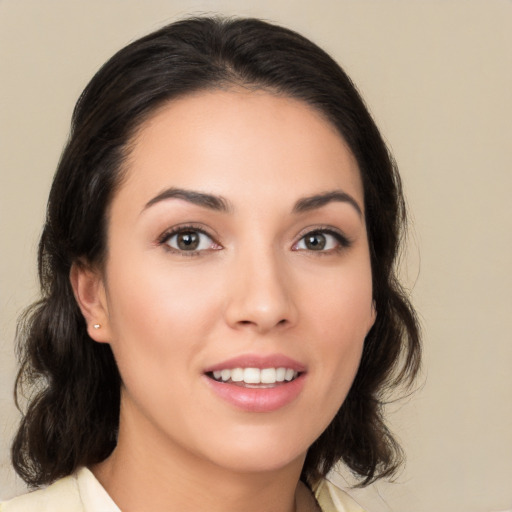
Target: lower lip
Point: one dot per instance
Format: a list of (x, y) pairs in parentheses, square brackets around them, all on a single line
[(258, 399)]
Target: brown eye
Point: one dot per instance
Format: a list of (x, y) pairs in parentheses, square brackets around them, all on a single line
[(189, 240), (315, 241), (325, 240)]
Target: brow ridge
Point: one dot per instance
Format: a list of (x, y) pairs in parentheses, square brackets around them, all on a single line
[(210, 201), (318, 200), (219, 203)]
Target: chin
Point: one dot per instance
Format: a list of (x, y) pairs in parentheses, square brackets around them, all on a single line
[(251, 463), (252, 453)]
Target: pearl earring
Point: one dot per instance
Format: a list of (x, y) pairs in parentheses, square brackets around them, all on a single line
[(97, 326)]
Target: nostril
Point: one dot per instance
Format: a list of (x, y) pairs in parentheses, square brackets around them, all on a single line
[(280, 323)]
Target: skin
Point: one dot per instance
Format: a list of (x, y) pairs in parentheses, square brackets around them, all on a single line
[(254, 287)]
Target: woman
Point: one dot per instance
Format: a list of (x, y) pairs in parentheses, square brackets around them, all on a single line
[(220, 320)]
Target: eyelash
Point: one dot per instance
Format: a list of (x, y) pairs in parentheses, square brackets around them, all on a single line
[(341, 239), (167, 235)]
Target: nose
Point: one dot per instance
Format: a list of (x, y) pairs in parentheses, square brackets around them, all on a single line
[(260, 293)]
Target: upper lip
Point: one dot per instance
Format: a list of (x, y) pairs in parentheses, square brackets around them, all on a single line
[(258, 361)]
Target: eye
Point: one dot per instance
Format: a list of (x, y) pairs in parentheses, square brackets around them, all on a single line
[(321, 241), (188, 240)]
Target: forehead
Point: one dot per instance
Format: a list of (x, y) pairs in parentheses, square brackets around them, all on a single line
[(227, 142)]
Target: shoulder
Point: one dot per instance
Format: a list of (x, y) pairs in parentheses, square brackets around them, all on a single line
[(332, 499), (61, 496)]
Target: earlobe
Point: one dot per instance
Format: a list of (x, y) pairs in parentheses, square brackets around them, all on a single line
[(373, 317), (89, 291)]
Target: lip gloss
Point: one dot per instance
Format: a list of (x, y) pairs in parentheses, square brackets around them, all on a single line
[(258, 399)]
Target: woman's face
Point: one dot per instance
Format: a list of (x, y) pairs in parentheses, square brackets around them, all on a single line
[(237, 257)]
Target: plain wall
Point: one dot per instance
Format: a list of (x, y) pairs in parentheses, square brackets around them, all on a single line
[(437, 76)]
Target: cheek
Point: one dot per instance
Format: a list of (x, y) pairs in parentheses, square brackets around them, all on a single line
[(342, 314), (158, 310), (342, 306)]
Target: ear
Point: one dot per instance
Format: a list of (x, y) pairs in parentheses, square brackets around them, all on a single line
[(373, 317), (89, 290)]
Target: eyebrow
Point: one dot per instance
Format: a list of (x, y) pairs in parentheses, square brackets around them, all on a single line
[(318, 200), (217, 203), (220, 204)]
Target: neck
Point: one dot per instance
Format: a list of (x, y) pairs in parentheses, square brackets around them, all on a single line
[(147, 473)]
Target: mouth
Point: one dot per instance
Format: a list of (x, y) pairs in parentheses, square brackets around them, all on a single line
[(255, 378), (257, 383)]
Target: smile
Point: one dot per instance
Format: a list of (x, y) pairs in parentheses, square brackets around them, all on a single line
[(257, 383), (254, 376)]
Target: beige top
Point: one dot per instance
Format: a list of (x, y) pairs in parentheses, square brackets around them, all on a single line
[(81, 492)]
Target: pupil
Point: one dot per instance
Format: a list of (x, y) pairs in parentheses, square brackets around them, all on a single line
[(188, 241), (315, 242)]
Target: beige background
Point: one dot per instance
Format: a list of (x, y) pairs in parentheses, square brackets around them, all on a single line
[(438, 77)]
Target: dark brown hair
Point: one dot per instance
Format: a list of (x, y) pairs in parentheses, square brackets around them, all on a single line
[(72, 383)]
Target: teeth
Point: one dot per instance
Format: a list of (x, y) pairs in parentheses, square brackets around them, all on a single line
[(268, 376), (252, 376), (237, 375), (289, 374), (255, 375)]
